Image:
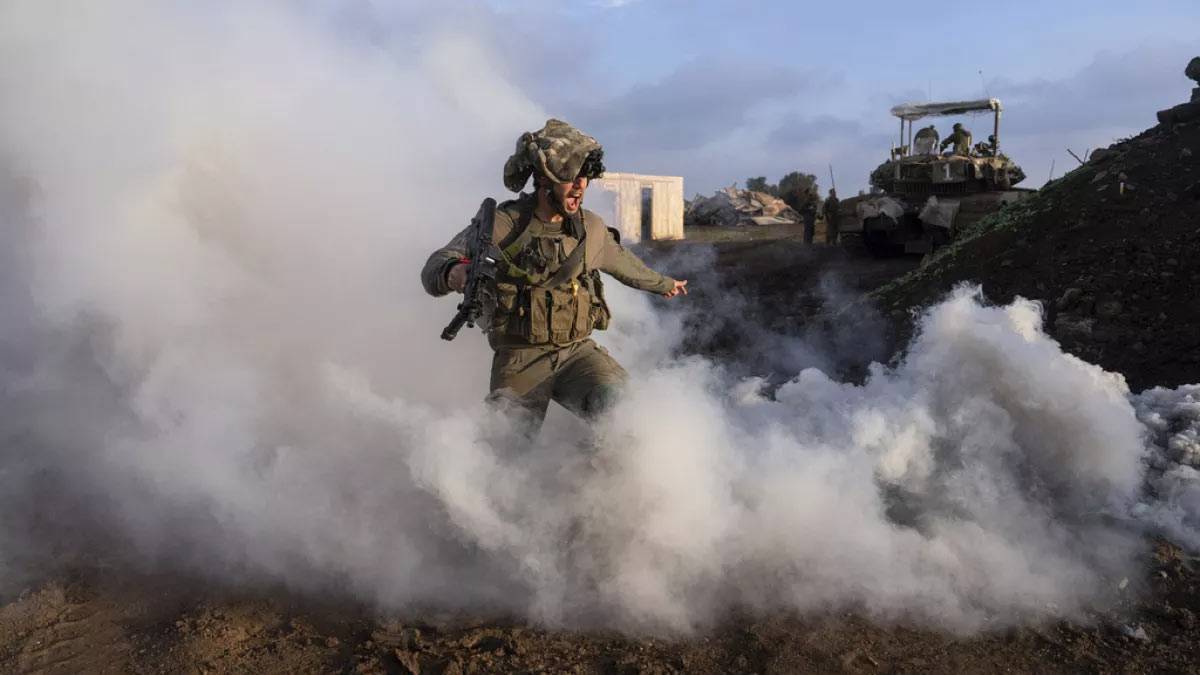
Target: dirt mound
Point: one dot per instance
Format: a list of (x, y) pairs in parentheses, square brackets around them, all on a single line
[(1110, 249)]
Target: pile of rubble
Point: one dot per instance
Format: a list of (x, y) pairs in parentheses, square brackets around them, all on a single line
[(731, 207)]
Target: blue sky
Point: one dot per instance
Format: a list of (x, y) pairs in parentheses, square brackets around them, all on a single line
[(717, 91)]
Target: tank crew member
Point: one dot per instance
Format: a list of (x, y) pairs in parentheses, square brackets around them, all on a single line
[(926, 140), (960, 139), (987, 149)]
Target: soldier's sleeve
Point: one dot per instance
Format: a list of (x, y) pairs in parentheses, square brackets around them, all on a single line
[(627, 268), (433, 274)]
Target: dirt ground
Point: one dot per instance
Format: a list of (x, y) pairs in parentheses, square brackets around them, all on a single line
[(103, 621), (1117, 271)]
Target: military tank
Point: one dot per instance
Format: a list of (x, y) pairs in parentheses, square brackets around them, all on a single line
[(921, 197)]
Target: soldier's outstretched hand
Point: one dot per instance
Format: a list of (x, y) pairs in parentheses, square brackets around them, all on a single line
[(680, 288)]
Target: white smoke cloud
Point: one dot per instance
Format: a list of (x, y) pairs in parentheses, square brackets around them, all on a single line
[(216, 351)]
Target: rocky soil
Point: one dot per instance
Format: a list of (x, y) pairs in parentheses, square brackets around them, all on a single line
[(128, 623)]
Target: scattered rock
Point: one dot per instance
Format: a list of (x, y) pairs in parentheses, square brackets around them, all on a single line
[(1180, 114), (1109, 309), (1069, 297), (1135, 633), (1075, 327), (1187, 618)]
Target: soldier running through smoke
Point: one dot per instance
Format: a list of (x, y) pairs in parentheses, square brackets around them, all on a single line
[(548, 295)]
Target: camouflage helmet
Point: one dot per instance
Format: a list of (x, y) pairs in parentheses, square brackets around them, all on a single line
[(957, 126), (557, 151)]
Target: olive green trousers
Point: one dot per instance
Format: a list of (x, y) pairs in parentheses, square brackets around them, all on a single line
[(582, 377)]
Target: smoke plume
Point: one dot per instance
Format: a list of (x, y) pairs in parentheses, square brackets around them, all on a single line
[(217, 357)]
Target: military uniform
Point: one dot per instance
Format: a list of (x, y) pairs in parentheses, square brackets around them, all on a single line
[(960, 138), (808, 214), (925, 141), (830, 212), (549, 298)]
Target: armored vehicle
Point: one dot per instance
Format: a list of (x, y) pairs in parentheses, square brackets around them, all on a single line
[(920, 197)]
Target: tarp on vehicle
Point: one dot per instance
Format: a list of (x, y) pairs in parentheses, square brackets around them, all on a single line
[(915, 111)]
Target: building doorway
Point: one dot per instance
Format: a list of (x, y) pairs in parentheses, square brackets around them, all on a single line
[(647, 214)]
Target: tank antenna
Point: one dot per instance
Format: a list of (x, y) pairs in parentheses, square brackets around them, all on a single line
[(983, 84)]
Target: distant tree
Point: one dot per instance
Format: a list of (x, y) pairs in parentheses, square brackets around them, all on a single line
[(759, 184), (797, 182), (798, 189)]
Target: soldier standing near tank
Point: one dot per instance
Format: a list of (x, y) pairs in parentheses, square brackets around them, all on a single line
[(804, 201), (548, 292), (960, 139), (829, 210)]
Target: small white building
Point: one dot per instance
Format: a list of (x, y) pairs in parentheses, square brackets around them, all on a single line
[(620, 202)]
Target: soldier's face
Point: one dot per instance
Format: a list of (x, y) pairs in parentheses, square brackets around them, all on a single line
[(570, 195)]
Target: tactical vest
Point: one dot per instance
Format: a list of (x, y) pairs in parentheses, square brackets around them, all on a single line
[(548, 291)]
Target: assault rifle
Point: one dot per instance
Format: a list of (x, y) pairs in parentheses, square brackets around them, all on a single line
[(481, 272)]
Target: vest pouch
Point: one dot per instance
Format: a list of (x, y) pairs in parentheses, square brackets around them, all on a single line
[(535, 324), (507, 317), (598, 312), (567, 310)]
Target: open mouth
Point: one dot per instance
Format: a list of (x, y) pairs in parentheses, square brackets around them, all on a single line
[(572, 202)]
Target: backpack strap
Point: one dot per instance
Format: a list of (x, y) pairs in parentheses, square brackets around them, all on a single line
[(517, 238), (574, 265), (519, 235)]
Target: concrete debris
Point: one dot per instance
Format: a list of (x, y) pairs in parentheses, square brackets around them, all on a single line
[(731, 207)]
